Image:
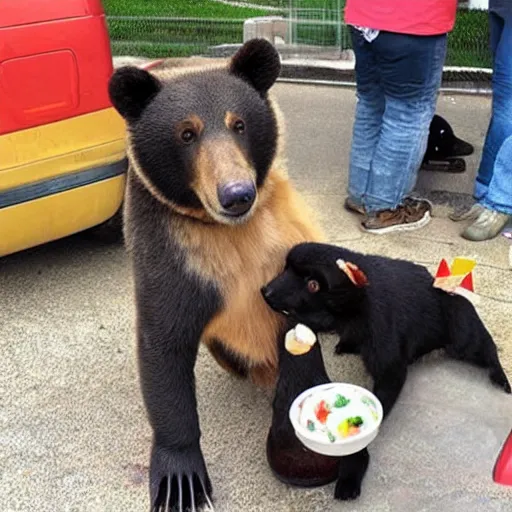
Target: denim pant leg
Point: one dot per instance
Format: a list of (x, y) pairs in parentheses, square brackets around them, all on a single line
[(368, 117), (499, 195), (500, 126), (411, 70)]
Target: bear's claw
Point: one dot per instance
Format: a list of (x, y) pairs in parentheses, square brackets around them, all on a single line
[(179, 482)]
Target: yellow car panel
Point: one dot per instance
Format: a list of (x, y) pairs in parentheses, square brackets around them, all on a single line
[(58, 148), (58, 215)]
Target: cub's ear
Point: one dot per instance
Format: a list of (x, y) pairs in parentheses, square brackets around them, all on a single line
[(353, 272), (131, 89), (258, 63)]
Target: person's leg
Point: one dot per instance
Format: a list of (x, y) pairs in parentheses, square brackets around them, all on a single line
[(499, 196), (501, 86), (368, 117), (411, 72), (493, 187), (489, 151)]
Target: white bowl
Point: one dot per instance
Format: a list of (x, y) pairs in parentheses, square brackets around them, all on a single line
[(345, 446)]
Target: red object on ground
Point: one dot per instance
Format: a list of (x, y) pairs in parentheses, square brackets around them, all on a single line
[(55, 61), (420, 18), (444, 269), (467, 282), (502, 473)]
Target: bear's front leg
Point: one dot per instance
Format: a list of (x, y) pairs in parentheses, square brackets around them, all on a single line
[(171, 318), (351, 474), (347, 347), (178, 475), (352, 334), (290, 461)]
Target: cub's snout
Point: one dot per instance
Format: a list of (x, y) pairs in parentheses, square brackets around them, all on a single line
[(269, 296), (281, 293)]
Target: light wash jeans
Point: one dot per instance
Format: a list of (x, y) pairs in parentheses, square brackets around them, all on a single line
[(493, 187), (398, 78)]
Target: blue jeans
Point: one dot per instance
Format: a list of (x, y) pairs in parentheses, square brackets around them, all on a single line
[(398, 77), (493, 187)]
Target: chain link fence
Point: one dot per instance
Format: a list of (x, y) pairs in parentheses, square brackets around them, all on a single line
[(314, 28)]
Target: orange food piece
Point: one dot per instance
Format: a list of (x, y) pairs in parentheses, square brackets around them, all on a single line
[(352, 431)]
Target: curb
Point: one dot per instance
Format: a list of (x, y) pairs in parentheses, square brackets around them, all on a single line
[(455, 80)]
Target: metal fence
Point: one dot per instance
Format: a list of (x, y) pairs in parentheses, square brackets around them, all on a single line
[(320, 26), (310, 32)]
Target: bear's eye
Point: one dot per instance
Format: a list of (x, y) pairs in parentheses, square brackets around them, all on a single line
[(313, 286), (239, 126), (188, 136)]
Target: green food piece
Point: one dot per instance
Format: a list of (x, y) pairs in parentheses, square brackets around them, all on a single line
[(311, 426), (331, 436), (341, 401), (355, 421)]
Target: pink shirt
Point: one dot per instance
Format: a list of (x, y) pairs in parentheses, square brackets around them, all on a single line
[(415, 17)]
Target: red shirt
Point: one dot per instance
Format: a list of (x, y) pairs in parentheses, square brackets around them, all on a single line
[(415, 17)]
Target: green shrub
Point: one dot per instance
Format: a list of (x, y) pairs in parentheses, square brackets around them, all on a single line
[(174, 32), (468, 43), (178, 8)]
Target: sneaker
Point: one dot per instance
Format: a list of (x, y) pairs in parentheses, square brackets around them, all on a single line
[(470, 213), (489, 224), (418, 202), (412, 214), (352, 206)]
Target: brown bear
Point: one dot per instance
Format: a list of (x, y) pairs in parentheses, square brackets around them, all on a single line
[(209, 217)]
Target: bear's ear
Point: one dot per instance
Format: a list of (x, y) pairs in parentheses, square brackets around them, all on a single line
[(258, 63), (131, 89), (353, 272)]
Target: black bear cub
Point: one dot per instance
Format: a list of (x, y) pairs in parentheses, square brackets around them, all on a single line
[(384, 309)]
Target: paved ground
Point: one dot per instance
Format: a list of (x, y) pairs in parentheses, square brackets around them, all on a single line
[(73, 432)]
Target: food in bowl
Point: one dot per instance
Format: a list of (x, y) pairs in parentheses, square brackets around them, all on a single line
[(336, 418)]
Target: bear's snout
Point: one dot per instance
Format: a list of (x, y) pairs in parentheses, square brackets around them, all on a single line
[(237, 197)]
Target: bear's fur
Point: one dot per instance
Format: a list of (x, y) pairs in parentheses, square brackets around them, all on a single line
[(385, 309), (193, 132)]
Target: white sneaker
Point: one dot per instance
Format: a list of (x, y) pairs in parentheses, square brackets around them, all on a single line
[(489, 224)]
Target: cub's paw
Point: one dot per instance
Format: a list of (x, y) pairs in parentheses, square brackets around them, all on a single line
[(179, 480), (348, 488)]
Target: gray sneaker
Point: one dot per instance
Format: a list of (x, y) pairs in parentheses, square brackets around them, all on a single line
[(470, 213), (489, 224), (352, 206)]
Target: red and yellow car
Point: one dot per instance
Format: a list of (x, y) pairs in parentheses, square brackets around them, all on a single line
[(62, 145)]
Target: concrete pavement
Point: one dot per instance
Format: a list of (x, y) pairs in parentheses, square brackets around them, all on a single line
[(73, 432)]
